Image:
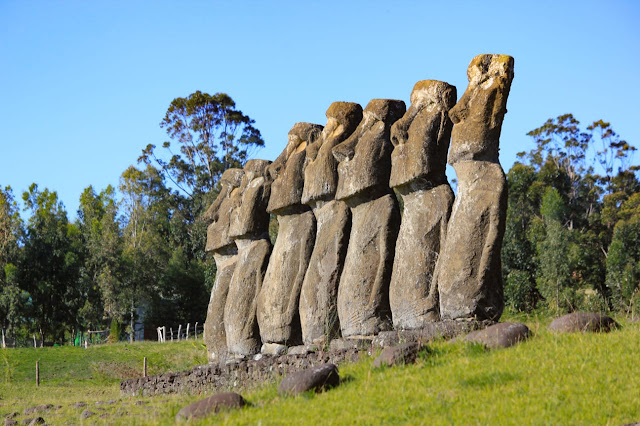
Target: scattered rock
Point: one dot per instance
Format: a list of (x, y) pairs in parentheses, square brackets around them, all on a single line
[(301, 350), (273, 349), (211, 405), (10, 422), (37, 421), (38, 409), (401, 354), (12, 415), (584, 322), (446, 329), (316, 378), (141, 402), (345, 344), (86, 414), (502, 335)]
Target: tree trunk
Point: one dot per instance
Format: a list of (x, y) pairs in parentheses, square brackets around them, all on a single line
[(132, 323)]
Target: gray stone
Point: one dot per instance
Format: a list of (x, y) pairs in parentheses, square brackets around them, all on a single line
[(397, 355), (220, 213), (10, 422), (421, 140), (279, 298), (38, 409), (212, 405), (502, 335), (363, 183), (313, 379), (470, 276), (319, 293), (583, 322), (36, 421), (337, 345), (445, 329), (273, 349), (249, 227), (301, 350)]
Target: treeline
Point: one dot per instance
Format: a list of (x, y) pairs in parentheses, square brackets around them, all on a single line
[(137, 248), (573, 223)]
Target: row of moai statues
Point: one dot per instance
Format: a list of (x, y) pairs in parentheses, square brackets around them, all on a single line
[(344, 262)]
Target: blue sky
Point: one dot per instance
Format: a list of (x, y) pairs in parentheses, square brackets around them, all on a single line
[(85, 84)]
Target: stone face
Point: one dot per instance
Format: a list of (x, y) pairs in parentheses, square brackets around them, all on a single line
[(363, 179), (220, 212), (418, 162), (421, 137), (582, 322), (502, 335), (317, 378), (469, 270), (212, 405), (319, 294), (321, 172), (249, 227), (280, 295), (288, 170), (365, 157), (402, 354), (478, 115)]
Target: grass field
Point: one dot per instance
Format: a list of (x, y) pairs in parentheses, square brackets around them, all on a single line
[(551, 379)]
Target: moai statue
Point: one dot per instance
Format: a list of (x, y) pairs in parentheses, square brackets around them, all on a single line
[(418, 163), (250, 229), (363, 183), (470, 275), (225, 254), (278, 301), (319, 294)]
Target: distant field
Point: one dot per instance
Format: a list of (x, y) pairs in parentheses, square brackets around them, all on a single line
[(551, 379)]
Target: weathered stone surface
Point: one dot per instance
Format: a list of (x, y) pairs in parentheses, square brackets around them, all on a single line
[(363, 292), (470, 273), (38, 409), (365, 157), (214, 335), (421, 140), (337, 345), (582, 322), (280, 295), (273, 349), (421, 137), (10, 422), (501, 335), (479, 113), (301, 350), (363, 179), (470, 276), (321, 172), (249, 228), (402, 354), (318, 299), (319, 293), (445, 329), (317, 378), (413, 291), (212, 405), (86, 414), (34, 422), (220, 212), (288, 170)]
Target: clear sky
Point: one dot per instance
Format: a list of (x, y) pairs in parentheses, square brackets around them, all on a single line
[(85, 84)]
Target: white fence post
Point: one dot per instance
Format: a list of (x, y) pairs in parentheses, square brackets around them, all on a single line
[(179, 331), (187, 331), (34, 341), (159, 330), (195, 331), (171, 330)]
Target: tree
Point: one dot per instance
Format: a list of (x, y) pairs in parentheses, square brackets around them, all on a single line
[(211, 135)]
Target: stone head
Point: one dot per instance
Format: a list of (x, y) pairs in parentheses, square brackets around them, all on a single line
[(421, 137), (287, 172), (365, 157), (221, 210), (321, 172), (478, 115), (250, 219)]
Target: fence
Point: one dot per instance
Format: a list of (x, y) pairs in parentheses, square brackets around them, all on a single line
[(181, 333)]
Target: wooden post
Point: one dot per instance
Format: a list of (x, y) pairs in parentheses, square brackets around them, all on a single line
[(164, 333), (159, 330), (188, 324), (195, 331), (144, 367), (37, 373), (4, 345), (179, 331), (34, 341), (171, 330)]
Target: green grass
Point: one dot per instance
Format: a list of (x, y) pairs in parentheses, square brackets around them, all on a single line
[(550, 379)]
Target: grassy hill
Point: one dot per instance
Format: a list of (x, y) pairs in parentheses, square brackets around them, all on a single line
[(551, 379)]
